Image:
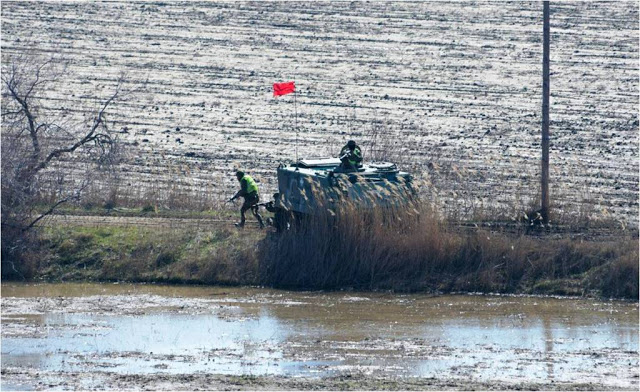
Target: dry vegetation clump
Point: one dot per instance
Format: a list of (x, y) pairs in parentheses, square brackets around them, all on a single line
[(356, 249), (410, 249), (112, 193), (617, 278)]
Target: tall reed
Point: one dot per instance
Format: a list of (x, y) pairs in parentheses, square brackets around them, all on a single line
[(409, 247)]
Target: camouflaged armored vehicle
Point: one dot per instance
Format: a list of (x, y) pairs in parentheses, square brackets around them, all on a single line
[(313, 186)]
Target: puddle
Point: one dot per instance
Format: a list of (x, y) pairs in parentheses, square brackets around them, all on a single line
[(89, 329)]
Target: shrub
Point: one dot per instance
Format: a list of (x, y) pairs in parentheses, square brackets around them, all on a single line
[(166, 257)]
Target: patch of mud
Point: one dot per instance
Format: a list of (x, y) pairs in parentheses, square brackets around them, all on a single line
[(192, 382), (117, 304)]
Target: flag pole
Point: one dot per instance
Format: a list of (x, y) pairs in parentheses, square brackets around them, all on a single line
[(295, 108)]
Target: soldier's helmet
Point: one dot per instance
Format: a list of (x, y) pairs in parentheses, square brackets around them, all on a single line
[(351, 144)]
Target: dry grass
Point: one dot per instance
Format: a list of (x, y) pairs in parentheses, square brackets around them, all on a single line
[(410, 249), (176, 197)]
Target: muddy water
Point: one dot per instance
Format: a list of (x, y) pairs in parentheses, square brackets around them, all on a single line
[(72, 335)]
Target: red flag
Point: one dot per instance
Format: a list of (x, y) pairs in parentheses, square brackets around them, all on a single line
[(283, 88)]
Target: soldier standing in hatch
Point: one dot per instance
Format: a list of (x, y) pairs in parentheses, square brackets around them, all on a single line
[(351, 156), (248, 190)]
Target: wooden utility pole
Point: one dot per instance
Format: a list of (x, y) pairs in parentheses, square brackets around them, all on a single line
[(544, 210)]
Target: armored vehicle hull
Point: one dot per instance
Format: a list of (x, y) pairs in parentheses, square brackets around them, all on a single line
[(313, 186)]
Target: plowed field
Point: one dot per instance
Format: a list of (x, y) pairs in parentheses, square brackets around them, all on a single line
[(451, 91)]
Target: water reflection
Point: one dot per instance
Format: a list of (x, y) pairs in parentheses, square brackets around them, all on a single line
[(186, 330), (548, 346), (135, 344)]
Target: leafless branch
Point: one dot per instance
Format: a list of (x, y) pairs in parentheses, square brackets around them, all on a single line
[(50, 210)]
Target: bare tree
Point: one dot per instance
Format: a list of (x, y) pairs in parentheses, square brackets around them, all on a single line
[(35, 141)]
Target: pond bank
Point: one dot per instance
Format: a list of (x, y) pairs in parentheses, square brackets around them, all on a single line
[(437, 262)]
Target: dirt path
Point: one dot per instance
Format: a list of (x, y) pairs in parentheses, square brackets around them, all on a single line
[(557, 232), (107, 221)]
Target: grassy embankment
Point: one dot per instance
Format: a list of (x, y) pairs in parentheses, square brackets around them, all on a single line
[(413, 251), (149, 254)]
